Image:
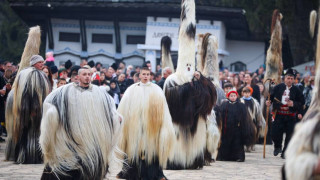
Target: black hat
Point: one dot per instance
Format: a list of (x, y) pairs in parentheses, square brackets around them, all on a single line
[(54, 69), (74, 69), (113, 81), (68, 64), (49, 63), (114, 66), (91, 63), (290, 72), (98, 63)]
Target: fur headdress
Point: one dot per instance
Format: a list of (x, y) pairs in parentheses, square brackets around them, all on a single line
[(31, 48), (207, 60), (187, 31), (274, 63), (165, 53)]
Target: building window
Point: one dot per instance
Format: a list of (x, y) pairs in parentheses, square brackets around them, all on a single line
[(69, 37), (102, 38), (133, 39), (238, 66)]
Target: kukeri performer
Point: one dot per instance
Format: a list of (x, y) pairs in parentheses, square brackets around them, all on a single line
[(190, 96), (24, 105), (147, 135), (208, 65), (303, 155), (79, 131), (274, 66)]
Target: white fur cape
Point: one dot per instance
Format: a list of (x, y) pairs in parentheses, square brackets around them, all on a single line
[(256, 114), (79, 130), (147, 128), (302, 154), (23, 116)]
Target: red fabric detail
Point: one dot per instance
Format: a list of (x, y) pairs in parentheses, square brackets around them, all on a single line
[(284, 110)]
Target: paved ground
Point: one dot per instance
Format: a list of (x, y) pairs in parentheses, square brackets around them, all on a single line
[(255, 167)]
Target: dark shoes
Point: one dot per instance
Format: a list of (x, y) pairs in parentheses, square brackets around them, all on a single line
[(282, 156), (2, 140), (276, 151)]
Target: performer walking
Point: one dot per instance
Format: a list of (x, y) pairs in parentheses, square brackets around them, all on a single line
[(79, 131), (147, 134), (190, 96), (287, 99), (302, 155), (24, 105)]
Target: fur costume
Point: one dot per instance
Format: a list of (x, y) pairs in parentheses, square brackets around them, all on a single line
[(79, 131), (302, 154), (316, 40), (24, 107), (166, 54), (312, 22), (237, 130), (147, 135), (255, 114), (208, 62), (190, 100), (274, 53)]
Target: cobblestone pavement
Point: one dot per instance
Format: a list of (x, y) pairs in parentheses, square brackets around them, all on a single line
[(255, 167)]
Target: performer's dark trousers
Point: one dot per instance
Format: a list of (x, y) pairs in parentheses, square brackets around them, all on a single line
[(282, 124)]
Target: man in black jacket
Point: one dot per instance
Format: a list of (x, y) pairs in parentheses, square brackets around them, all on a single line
[(287, 101)]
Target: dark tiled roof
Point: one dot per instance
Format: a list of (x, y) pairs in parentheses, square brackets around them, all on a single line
[(132, 10)]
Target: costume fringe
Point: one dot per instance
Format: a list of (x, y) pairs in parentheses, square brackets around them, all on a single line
[(24, 113), (79, 131), (147, 131), (315, 102)]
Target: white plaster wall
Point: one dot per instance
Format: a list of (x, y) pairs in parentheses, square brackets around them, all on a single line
[(250, 53), (135, 61), (131, 28), (65, 25), (100, 27)]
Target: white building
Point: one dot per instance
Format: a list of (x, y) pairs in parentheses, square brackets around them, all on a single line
[(109, 31)]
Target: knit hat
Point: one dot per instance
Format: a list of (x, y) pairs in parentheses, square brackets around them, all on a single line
[(54, 69), (68, 64), (35, 59), (232, 91), (247, 89)]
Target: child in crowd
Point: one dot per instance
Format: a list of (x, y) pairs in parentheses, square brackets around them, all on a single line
[(114, 90), (227, 87), (61, 82), (237, 129), (254, 112)]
